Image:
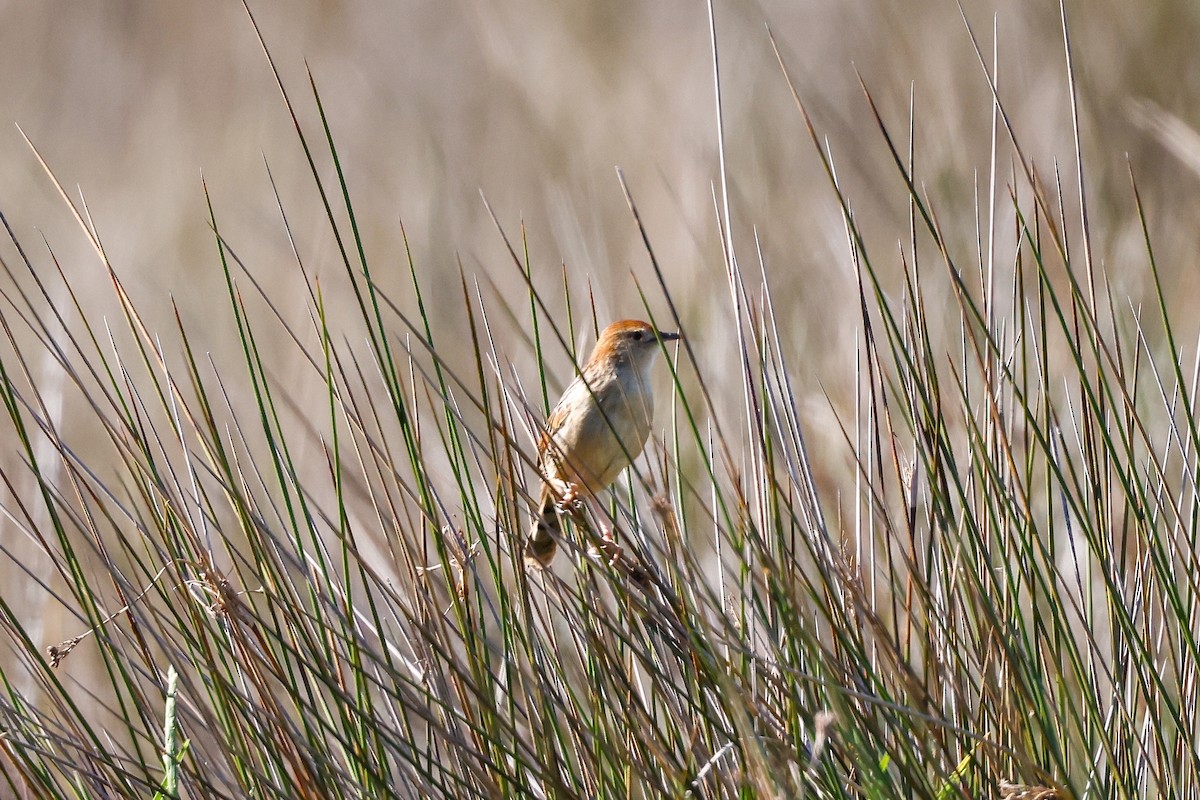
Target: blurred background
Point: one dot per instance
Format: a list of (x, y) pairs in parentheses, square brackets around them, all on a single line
[(532, 104)]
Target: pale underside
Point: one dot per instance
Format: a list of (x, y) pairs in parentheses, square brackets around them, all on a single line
[(586, 452)]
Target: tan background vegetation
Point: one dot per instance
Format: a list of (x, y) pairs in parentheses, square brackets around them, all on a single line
[(533, 103)]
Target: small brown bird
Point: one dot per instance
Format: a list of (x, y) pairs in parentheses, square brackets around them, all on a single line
[(598, 428)]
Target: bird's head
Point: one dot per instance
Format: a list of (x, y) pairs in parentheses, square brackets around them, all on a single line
[(629, 341)]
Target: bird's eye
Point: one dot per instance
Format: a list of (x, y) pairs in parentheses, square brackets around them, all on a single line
[(637, 336)]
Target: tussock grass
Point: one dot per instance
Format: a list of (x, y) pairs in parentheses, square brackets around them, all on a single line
[(295, 593)]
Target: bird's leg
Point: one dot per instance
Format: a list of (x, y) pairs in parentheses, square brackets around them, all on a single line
[(601, 517), (610, 549), (608, 545)]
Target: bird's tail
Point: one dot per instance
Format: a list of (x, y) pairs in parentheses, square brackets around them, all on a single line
[(543, 534)]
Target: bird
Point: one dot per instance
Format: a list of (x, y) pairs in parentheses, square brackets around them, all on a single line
[(596, 430)]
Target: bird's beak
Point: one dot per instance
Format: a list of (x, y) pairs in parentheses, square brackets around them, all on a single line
[(669, 337)]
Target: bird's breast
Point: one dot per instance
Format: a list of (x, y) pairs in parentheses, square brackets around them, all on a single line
[(594, 435)]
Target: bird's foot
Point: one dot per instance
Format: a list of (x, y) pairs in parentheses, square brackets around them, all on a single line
[(569, 500), (607, 548), (610, 551)]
